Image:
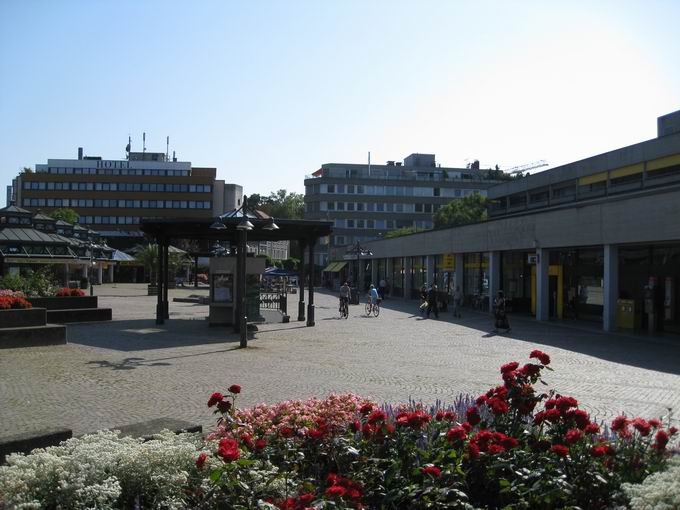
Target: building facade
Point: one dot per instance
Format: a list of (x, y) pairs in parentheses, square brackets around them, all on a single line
[(594, 240), (366, 201), (113, 195)]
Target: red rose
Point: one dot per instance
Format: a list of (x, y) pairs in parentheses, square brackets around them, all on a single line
[(260, 444), (508, 442), (336, 491), (315, 434), (655, 423), (200, 461), (564, 403), (306, 498), (481, 400), (223, 406), (473, 451), (495, 449), (642, 426), (498, 406), (286, 432), (598, 451), (573, 435), (540, 356), (473, 416), (355, 426), (580, 417), (673, 430), (366, 408), (431, 470), (228, 450), (466, 425), (592, 428), (215, 398), (660, 440), (235, 389), (377, 416), (560, 450), (619, 423), (530, 370), (456, 434), (552, 415), (509, 367)]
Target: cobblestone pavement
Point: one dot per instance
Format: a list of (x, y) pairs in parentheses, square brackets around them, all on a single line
[(130, 370)]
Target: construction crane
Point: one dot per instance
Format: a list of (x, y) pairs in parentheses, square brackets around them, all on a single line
[(525, 168)]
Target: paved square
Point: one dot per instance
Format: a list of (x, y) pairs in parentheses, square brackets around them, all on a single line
[(131, 370)]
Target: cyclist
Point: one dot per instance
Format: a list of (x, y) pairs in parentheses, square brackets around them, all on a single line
[(345, 293), (373, 295)]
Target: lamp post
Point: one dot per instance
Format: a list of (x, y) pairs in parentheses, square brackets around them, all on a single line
[(242, 228), (90, 247)]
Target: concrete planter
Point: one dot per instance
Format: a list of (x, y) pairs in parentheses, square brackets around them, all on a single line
[(64, 303), (21, 318)]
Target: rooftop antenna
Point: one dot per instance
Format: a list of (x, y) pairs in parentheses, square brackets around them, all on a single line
[(144, 141), (128, 147), (167, 147)]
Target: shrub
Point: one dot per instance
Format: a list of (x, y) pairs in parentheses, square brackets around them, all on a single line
[(660, 491)]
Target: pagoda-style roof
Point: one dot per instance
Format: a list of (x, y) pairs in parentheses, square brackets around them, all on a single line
[(43, 217), (13, 209)]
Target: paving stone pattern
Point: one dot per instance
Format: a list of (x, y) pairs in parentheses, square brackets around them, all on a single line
[(130, 370)]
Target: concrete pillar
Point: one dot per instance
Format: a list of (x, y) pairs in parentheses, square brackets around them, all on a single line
[(542, 286), (67, 274), (494, 276), (83, 271), (110, 273), (100, 273), (429, 270), (389, 269), (459, 271), (611, 286), (408, 278)]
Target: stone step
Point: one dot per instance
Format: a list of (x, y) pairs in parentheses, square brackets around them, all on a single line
[(28, 441), (79, 315), (146, 429), (32, 336)]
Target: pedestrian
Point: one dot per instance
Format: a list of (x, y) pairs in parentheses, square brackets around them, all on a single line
[(432, 305), (500, 315), (457, 301), (381, 288), (423, 300)]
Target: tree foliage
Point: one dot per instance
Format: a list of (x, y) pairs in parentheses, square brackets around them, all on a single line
[(402, 232), (65, 214), (469, 209), (279, 204), (148, 257)]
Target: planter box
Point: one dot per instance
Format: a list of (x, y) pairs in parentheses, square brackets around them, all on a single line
[(79, 315), (64, 303), (32, 336), (20, 318), (26, 442)]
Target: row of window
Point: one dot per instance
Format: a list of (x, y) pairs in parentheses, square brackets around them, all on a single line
[(110, 220), (111, 171), (119, 186), (380, 224), (399, 191), (130, 204), (375, 207)]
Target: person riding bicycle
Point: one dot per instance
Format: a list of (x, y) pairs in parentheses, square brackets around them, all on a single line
[(345, 293), (373, 295)]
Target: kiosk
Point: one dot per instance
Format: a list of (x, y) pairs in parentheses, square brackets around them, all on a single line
[(223, 290)]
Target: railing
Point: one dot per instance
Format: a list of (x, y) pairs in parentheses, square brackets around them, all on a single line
[(274, 301)]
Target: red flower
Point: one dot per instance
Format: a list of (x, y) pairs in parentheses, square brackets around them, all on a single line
[(560, 450), (540, 356), (200, 461), (377, 416), (473, 416), (592, 428), (564, 403), (260, 444), (315, 433), (530, 370), (336, 491), (466, 425), (307, 498), (619, 423), (494, 449), (431, 470), (660, 440), (247, 440), (509, 367), (368, 430), (228, 450), (481, 400), (580, 417), (673, 430), (355, 426), (598, 451), (655, 423), (215, 398), (552, 415), (473, 451), (286, 431), (498, 406), (456, 434), (235, 389), (508, 442), (573, 435), (642, 426)]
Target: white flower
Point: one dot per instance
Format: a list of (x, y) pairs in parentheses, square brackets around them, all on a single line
[(660, 491)]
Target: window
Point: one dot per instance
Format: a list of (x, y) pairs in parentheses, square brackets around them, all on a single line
[(380, 207), (331, 188), (427, 208), (360, 206), (341, 188), (340, 206), (361, 224), (360, 188), (419, 208), (350, 188), (350, 223), (370, 207), (370, 224), (437, 192)]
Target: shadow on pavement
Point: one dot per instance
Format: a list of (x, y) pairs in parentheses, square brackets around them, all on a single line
[(133, 363)]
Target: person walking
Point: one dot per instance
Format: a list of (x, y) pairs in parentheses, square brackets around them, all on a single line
[(500, 315), (382, 284), (423, 300), (457, 301), (432, 305)]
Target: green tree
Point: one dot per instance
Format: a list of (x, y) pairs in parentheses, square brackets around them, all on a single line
[(469, 209), (65, 214), (291, 264), (148, 257), (26, 170), (280, 204), (404, 231)]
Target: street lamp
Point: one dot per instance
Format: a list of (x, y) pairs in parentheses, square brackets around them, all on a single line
[(243, 227), (90, 246)]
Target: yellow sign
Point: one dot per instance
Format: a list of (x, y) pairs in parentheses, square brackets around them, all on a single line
[(449, 261)]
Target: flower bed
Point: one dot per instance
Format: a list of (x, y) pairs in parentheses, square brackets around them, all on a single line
[(513, 447), (67, 292), (14, 302)]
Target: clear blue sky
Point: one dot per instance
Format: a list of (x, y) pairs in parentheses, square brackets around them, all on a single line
[(267, 91)]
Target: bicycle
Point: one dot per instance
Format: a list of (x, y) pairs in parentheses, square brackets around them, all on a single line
[(373, 308), (344, 309)]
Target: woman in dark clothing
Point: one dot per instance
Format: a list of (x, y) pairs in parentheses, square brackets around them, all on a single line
[(500, 315)]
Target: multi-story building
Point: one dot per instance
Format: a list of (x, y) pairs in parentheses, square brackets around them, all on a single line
[(276, 250), (111, 196), (364, 201)]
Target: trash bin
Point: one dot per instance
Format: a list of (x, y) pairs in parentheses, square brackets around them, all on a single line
[(354, 296), (625, 314)]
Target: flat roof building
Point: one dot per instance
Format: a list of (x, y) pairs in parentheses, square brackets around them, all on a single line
[(114, 195)]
